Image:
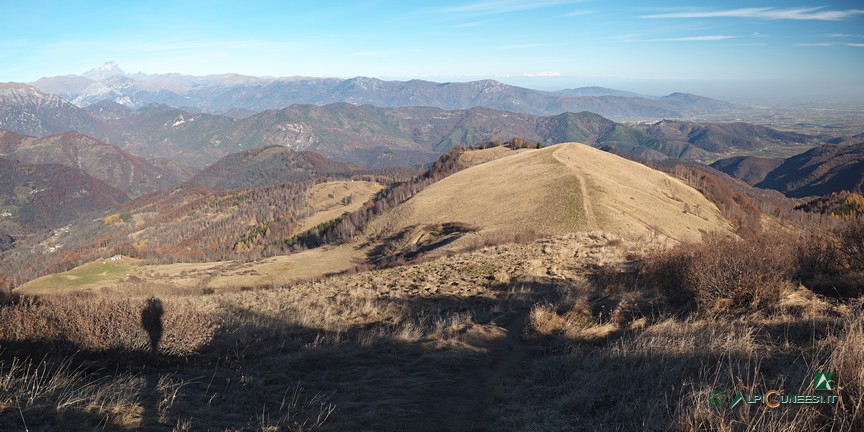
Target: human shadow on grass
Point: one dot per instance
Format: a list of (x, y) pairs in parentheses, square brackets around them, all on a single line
[(63, 359)]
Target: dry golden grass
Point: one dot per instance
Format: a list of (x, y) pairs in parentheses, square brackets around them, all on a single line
[(470, 158), (136, 277), (559, 189)]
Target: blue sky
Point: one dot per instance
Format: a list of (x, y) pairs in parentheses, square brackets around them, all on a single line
[(736, 49)]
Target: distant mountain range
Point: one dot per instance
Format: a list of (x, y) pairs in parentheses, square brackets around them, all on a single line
[(820, 171), (231, 92), (367, 135)]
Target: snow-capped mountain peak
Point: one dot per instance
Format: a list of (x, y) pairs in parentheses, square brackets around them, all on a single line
[(107, 70)]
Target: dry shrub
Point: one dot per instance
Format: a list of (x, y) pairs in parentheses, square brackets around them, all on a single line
[(100, 323), (298, 412), (840, 251), (820, 253), (851, 235), (497, 238), (832, 262), (725, 272), (6, 296)]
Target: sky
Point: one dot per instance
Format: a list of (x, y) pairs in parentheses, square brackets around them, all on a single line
[(735, 50)]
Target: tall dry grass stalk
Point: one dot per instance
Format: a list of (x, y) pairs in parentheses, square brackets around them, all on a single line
[(53, 393)]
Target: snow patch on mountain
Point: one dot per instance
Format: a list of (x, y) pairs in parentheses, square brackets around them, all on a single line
[(113, 88)]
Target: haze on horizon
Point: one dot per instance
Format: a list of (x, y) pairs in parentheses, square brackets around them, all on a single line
[(734, 50)]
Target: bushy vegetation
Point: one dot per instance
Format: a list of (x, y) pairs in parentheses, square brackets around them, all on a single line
[(839, 204), (726, 273)]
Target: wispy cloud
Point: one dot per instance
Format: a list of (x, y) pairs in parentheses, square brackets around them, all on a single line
[(815, 44), (629, 37), (469, 24), (770, 13), (519, 46), (495, 7), (579, 13), (693, 38), (541, 74), (844, 35), (856, 45)]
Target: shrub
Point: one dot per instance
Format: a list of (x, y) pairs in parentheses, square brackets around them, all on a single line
[(820, 254), (851, 235), (725, 272)]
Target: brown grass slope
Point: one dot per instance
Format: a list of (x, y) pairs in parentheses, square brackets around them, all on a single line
[(558, 189)]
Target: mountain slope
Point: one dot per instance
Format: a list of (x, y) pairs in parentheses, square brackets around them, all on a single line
[(820, 171), (67, 87), (376, 137), (720, 137), (597, 131), (36, 196), (268, 166), (561, 188), (26, 110), (128, 92), (750, 169), (595, 91), (379, 137), (108, 163)]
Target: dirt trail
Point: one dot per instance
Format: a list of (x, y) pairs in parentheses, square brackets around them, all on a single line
[(461, 402)]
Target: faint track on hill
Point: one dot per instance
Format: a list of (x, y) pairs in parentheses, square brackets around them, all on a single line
[(587, 208), (590, 219)]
